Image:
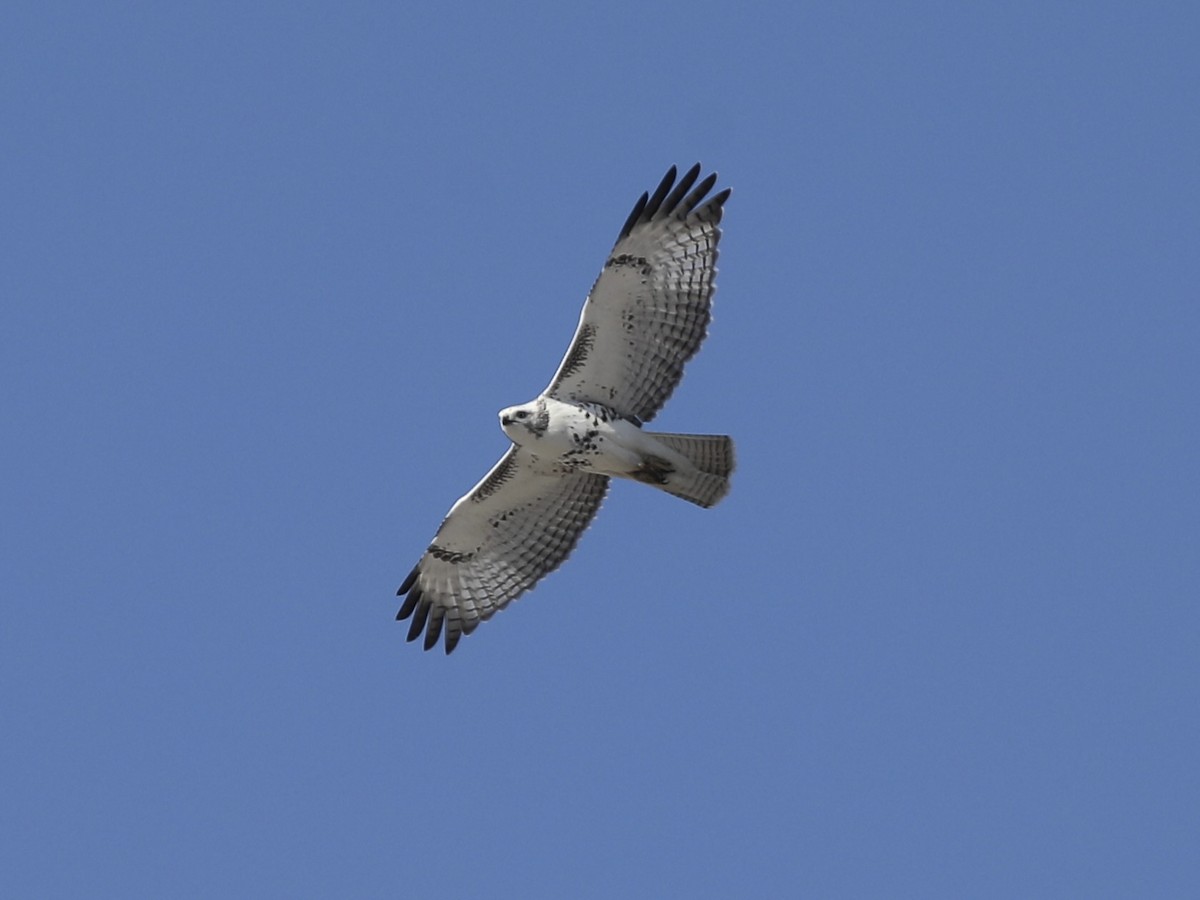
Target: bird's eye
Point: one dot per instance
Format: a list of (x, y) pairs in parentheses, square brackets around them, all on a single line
[(522, 414)]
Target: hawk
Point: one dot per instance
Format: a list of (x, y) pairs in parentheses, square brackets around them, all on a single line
[(646, 316)]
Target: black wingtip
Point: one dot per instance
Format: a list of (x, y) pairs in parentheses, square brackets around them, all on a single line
[(657, 197), (672, 198), (409, 581), (694, 198), (418, 621), (433, 630), (685, 183), (410, 603), (634, 216)]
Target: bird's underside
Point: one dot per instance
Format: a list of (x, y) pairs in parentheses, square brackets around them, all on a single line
[(645, 317)]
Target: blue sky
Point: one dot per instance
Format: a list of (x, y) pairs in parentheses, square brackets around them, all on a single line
[(271, 269)]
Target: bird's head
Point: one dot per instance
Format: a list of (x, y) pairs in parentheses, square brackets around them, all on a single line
[(521, 423)]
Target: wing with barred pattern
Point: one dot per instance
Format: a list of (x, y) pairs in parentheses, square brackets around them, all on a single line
[(649, 310), (514, 527)]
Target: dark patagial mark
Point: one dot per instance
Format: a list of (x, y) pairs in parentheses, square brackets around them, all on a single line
[(579, 352), (496, 478)]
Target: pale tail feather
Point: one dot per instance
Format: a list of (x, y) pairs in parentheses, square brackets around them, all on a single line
[(711, 454)]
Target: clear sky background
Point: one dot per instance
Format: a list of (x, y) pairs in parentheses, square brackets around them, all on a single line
[(269, 271)]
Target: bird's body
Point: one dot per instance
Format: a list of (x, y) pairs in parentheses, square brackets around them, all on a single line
[(590, 437), (574, 436), (645, 317)]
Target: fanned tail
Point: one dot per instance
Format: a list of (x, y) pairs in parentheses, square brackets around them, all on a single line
[(713, 458)]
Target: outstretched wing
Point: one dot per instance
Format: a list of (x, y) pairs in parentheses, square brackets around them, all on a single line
[(649, 310), (517, 525)]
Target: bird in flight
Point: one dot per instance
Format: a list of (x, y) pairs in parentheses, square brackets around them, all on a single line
[(646, 316)]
